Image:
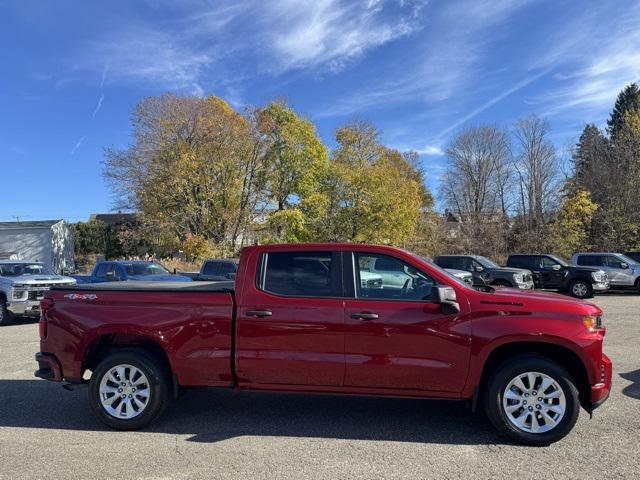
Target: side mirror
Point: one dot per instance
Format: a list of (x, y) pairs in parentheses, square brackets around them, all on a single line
[(624, 265), (556, 267), (111, 276), (478, 268), (446, 297)]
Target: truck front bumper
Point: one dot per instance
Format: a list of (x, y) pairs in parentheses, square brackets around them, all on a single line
[(29, 308), (526, 285), (601, 390), (48, 367), (600, 287)]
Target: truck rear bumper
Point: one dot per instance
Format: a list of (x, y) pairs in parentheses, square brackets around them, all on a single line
[(48, 367), (600, 391)]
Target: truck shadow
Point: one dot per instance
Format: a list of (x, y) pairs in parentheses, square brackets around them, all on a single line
[(632, 390), (211, 415)]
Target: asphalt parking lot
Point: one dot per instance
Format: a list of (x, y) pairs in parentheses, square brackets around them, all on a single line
[(47, 432)]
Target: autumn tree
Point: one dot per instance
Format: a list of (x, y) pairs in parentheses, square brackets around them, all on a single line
[(196, 167), (375, 194), (296, 161), (570, 232)]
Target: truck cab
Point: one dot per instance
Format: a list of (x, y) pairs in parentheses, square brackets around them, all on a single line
[(487, 272)]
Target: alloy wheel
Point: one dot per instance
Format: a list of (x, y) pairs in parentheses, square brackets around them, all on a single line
[(534, 402), (124, 391)]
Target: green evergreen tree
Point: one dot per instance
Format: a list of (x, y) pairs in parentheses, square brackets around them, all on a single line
[(628, 99)]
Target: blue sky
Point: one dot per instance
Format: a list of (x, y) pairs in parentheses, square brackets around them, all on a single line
[(419, 70)]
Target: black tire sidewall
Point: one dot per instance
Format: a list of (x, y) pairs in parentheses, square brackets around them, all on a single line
[(587, 284), (497, 385), (159, 385)]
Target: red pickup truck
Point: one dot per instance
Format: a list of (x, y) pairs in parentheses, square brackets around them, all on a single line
[(314, 318)]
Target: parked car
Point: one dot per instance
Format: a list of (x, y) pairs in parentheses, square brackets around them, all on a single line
[(530, 358), (553, 273), (623, 272), (635, 256), (22, 286), (134, 270), (487, 272)]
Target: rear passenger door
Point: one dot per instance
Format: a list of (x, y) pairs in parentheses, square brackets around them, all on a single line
[(290, 321)]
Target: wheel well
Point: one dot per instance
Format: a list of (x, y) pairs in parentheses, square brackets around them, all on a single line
[(561, 355), (105, 344)]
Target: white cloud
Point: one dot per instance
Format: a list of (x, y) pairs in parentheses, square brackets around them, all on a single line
[(98, 105), (77, 145), (333, 32), (595, 57), (431, 150)]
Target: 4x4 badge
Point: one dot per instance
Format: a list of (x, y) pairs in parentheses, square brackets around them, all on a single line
[(80, 296)]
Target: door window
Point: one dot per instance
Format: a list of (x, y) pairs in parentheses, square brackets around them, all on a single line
[(547, 263), (407, 283), (301, 274), (613, 261)]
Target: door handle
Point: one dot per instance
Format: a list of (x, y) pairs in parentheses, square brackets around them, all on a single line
[(259, 313), (364, 316)]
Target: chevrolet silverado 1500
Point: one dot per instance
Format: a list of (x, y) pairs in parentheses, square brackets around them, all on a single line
[(531, 359)]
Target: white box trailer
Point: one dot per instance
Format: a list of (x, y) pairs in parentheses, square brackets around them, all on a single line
[(46, 241)]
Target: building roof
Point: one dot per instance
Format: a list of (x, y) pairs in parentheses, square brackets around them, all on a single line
[(30, 224)]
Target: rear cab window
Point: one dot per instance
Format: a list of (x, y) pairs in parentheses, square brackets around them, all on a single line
[(591, 260)]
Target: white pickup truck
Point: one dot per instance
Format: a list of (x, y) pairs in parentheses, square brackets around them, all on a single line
[(22, 286)]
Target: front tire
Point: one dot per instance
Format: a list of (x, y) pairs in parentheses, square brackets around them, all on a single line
[(129, 389), (532, 400), (5, 315), (580, 289)]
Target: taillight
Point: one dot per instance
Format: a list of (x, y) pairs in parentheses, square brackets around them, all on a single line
[(45, 304)]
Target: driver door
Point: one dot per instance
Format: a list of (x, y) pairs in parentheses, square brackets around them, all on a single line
[(395, 338)]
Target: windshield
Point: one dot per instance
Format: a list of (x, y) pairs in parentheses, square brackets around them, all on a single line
[(145, 269), (486, 263), (16, 269), (561, 261)]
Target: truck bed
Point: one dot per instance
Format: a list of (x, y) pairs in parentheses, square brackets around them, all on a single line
[(134, 286)]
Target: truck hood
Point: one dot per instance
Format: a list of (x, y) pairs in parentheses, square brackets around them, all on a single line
[(40, 279), (160, 278), (515, 295)]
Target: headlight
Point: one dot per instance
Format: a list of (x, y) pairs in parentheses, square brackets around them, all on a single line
[(598, 276), (518, 277), (19, 294), (592, 322)]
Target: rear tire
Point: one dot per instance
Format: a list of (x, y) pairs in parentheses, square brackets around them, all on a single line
[(580, 289), (537, 414), (129, 389), (5, 315)]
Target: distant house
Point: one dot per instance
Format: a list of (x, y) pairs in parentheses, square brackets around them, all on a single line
[(46, 241)]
